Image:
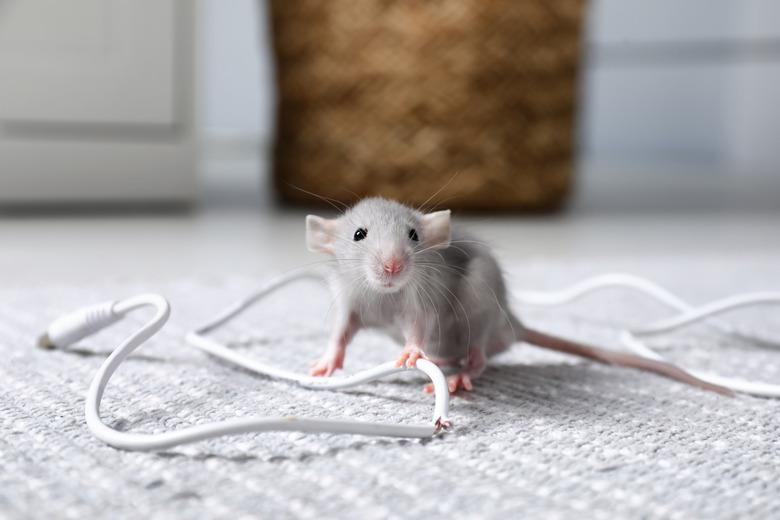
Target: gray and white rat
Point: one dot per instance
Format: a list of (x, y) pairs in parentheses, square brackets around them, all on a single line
[(439, 292)]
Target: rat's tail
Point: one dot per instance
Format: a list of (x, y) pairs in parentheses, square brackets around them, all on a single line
[(612, 357)]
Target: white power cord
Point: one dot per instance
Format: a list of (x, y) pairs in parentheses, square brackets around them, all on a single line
[(76, 326), (687, 315)]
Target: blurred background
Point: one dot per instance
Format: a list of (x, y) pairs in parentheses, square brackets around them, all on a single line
[(137, 138)]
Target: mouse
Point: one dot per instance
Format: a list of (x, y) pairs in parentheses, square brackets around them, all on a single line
[(438, 291)]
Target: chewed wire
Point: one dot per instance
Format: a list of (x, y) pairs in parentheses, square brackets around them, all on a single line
[(84, 322)]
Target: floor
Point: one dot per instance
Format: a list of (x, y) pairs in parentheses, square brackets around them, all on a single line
[(258, 239), (541, 437)]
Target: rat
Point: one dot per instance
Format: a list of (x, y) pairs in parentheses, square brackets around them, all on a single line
[(436, 290)]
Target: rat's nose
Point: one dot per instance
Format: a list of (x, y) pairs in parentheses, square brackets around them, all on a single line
[(393, 266)]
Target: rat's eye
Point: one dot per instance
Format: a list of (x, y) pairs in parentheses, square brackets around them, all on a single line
[(360, 234), (413, 235)]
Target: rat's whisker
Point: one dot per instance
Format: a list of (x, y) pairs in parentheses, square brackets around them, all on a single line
[(332, 202), (452, 178), (463, 308)]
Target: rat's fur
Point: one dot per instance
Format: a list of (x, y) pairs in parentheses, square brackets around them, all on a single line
[(448, 302)]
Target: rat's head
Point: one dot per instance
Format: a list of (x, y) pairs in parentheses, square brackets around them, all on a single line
[(378, 240)]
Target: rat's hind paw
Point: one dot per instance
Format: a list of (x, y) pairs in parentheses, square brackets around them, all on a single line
[(326, 365), (454, 383)]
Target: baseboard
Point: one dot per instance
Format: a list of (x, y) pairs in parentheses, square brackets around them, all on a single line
[(652, 185)]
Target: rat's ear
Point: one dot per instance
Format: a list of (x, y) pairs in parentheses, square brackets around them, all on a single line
[(320, 234), (436, 229)]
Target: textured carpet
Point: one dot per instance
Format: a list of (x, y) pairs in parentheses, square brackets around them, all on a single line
[(543, 435)]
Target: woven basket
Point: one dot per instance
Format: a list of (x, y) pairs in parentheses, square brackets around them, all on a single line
[(403, 98)]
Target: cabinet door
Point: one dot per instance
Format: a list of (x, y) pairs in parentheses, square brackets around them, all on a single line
[(96, 101), (87, 61)]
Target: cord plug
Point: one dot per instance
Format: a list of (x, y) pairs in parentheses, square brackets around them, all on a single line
[(72, 328)]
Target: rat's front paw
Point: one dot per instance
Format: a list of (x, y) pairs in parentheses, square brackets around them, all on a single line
[(326, 365), (409, 357)]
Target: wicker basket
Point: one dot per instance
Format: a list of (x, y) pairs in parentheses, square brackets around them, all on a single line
[(402, 98)]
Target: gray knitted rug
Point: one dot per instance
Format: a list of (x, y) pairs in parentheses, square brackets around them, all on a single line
[(542, 436)]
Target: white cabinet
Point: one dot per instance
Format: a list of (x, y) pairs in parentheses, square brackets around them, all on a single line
[(96, 100)]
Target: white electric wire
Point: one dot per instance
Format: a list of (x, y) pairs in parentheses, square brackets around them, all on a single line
[(85, 322), (76, 326), (687, 315)]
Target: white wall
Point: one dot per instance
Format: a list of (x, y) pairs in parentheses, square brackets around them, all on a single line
[(236, 69), (695, 82)]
